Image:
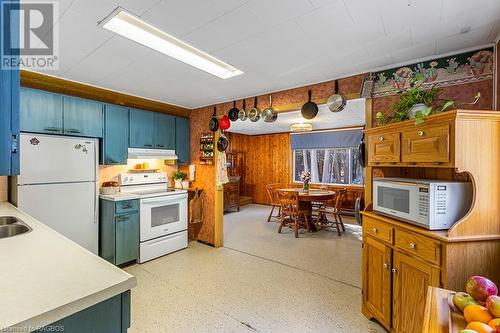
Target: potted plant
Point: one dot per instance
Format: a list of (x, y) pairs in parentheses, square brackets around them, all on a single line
[(414, 100), (178, 177)]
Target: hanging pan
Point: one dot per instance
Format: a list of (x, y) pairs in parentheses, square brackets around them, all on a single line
[(336, 102), (233, 113), (254, 113), (242, 114), (214, 122), (309, 109), (269, 115), (222, 143)]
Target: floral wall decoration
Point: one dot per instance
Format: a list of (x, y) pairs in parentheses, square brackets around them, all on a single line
[(457, 69)]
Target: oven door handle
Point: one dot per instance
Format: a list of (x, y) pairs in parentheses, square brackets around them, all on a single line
[(159, 202)]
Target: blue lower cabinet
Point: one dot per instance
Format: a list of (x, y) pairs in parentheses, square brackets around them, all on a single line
[(119, 231), (82, 117), (115, 139), (109, 316), (182, 140), (141, 129)]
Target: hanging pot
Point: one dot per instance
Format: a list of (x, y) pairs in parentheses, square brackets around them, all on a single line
[(214, 122), (336, 102), (269, 115), (242, 114), (310, 109), (233, 113), (222, 143), (254, 113), (224, 123)]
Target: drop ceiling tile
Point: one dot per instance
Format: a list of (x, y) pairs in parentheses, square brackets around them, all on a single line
[(415, 52), (473, 38), (391, 43), (323, 3), (397, 15), (136, 7), (274, 12)]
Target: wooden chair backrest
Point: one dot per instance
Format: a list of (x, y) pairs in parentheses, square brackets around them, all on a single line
[(273, 194), (339, 198), (289, 201)]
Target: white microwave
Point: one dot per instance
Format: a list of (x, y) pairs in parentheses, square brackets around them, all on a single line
[(432, 204)]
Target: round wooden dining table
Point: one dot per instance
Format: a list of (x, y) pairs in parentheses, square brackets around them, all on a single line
[(306, 198)]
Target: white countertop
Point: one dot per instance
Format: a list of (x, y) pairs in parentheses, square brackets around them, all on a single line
[(45, 276), (119, 196)]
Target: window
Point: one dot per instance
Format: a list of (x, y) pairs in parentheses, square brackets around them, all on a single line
[(329, 166)]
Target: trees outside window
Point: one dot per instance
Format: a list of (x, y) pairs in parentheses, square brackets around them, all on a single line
[(329, 166)]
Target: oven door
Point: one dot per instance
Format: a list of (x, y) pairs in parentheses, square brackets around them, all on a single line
[(163, 215)]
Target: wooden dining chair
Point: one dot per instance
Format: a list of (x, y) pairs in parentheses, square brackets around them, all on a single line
[(291, 215), (274, 200), (333, 207)]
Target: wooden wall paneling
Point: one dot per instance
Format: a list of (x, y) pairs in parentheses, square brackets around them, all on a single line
[(497, 75), (68, 87)]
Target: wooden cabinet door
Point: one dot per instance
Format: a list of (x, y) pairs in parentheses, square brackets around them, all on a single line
[(383, 148), (127, 238), (377, 280), (115, 140), (182, 140), (40, 111), (411, 278), (164, 131), (82, 117), (426, 144), (141, 128)]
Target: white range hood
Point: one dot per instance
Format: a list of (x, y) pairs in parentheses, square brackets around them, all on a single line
[(153, 154)]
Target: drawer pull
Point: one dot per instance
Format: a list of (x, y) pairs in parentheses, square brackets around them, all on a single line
[(380, 138), (412, 163), (52, 129), (420, 133), (412, 245), (72, 130), (374, 230), (394, 271)]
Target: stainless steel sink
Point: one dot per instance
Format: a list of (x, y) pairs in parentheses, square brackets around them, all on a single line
[(12, 226)]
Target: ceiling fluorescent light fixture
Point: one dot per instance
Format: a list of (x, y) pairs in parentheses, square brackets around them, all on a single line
[(130, 26), (301, 127)]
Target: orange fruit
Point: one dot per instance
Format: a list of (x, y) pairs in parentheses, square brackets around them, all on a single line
[(494, 323), (480, 327), (476, 312)]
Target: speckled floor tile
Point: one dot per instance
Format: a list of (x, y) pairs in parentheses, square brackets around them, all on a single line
[(203, 289)]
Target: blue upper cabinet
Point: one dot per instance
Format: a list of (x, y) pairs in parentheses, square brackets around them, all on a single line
[(9, 97), (115, 140), (141, 129), (164, 131), (41, 111), (82, 117), (182, 140)]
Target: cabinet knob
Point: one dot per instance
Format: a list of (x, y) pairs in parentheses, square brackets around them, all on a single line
[(394, 270), (420, 133), (380, 138), (374, 230), (385, 265), (413, 245)]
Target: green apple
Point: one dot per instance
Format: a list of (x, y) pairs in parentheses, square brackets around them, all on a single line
[(461, 300), (467, 330)]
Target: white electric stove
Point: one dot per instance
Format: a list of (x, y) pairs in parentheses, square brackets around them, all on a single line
[(163, 213)]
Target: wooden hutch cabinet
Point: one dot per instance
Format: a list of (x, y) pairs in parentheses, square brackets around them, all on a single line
[(400, 261), (232, 194)]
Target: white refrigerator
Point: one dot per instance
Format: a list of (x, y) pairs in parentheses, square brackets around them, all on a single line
[(57, 185)]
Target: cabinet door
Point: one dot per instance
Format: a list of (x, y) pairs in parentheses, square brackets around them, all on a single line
[(127, 238), (164, 131), (115, 142), (182, 140), (141, 129), (41, 111), (411, 278), (82, 117), (377, 280), (9, 101), (426, 144), (383, 148)]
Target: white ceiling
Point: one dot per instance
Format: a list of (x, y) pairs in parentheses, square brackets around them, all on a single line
[(352, 115), (278, 44)]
